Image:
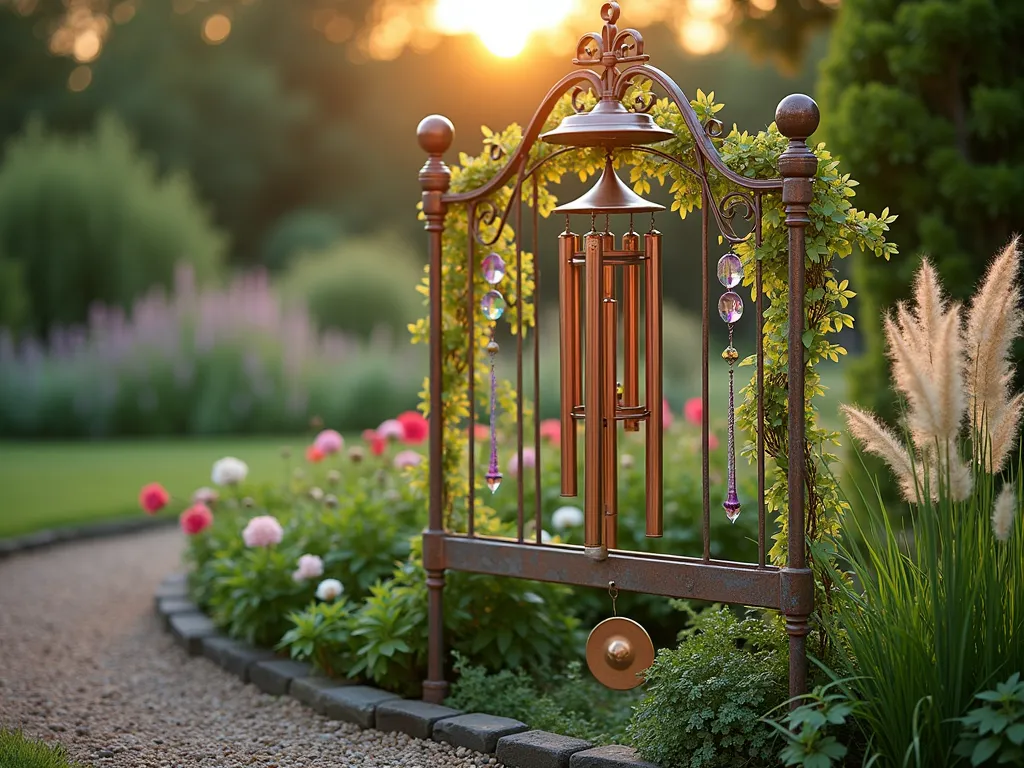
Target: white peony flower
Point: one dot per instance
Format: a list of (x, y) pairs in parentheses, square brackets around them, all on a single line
[(329, 589), (567, 517), (229, 471), (545, 537)]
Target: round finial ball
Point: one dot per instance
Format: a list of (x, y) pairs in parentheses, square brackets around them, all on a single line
[(797, 116), (435, 134)]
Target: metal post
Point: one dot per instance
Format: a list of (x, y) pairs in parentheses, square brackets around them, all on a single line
[(797, 118), (435, 135)]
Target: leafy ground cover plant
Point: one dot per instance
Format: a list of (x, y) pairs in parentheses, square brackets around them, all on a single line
[(18, 752), (705, 699), (939, 615), (565, 702), (810, 729), (993, 733)]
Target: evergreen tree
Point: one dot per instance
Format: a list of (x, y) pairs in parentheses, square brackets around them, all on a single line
[(924, 101)]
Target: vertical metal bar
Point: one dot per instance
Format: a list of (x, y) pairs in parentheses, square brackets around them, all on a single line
[(759, 290), (631, 330), (520, 305), (705, 524), (609, 407), (435, 137), (654, 464), (471, 311), (569, 338), (538, 521), (593, 505), (797, 118)]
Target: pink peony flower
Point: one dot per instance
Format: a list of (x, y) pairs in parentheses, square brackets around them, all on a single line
[(196, 518), (262, 531), (414, 427), (378, 444), (391, 429), (153, 498), (314, 455), (407, 459), (712, 441), (551, 429), (693, 411), (529, 461), (310, 567), (329, 442), (666, 415)]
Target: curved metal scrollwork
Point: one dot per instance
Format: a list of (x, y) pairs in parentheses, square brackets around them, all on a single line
[(577, 105), (644, 101), (713, 128)]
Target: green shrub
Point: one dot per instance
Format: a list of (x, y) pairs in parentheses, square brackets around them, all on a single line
[(299, 233), (358, 286), (810, 729), (88, 220), (565, 703), (705, 699), (18, 752)]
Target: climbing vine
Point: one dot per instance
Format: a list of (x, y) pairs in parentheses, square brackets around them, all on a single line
[(836, 229)]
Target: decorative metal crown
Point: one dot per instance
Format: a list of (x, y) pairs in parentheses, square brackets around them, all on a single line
[(611, 47)]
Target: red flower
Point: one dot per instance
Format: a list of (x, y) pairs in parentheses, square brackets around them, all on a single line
[(153, 498), (414, 425), (196, 518), (377, 443), (314, 454), (693, 411), (666, 415), (551, 429), (481, 432), (712, 441)]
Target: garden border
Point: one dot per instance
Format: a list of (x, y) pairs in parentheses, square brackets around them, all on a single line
[(48, 537), (512, 742)]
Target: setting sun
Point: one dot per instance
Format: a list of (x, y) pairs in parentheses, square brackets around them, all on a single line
[(503, 29)]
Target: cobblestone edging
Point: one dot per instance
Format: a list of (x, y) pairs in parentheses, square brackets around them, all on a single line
[(50, 536), (511, 741)]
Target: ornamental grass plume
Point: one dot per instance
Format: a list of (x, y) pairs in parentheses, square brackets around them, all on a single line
[(1003, 512), (994, 321), (946, 371)]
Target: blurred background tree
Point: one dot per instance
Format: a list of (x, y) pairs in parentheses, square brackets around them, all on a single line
[(924, 101)]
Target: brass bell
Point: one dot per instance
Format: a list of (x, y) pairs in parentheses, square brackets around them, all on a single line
[(618, 651)]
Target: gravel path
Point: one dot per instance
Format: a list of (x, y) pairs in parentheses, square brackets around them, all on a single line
[(84, 661)]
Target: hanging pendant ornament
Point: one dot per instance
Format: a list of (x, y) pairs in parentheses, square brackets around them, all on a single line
[(493, 307), (730, 309), (619, 650)]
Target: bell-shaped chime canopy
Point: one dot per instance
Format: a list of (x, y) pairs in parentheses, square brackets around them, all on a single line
[(609, 124), (610, 195)]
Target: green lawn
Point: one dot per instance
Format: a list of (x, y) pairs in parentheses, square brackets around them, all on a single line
[(48, 484)]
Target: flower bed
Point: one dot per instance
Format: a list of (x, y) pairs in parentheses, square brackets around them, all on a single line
[(324, 565)]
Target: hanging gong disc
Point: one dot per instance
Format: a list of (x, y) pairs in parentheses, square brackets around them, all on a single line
[(618, 649)]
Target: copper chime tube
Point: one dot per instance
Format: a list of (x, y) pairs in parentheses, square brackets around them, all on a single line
[(593, 507), (610, 404), (569, 302), (652, 376), (631, 330)]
